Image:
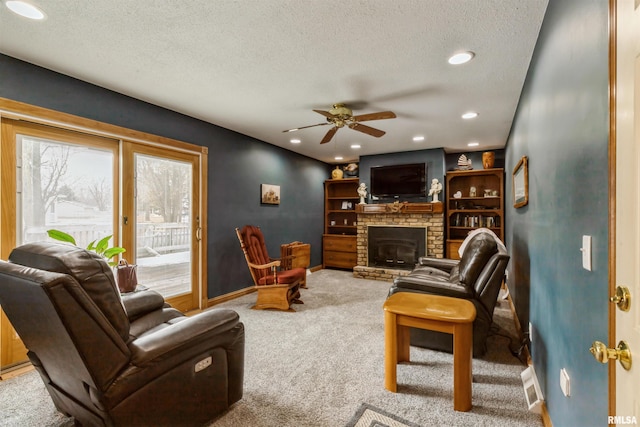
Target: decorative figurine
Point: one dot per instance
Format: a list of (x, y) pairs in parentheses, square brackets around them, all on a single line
[(351, 169), (362, 192), (472, 192), (464, 163), (436, 188)]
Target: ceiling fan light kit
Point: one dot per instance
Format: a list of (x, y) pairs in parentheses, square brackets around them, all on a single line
[(340, 116)]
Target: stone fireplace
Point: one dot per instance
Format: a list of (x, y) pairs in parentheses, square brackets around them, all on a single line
[(395, 247), (423, 218)]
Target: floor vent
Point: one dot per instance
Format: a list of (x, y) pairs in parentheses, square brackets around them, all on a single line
[(532, 390)]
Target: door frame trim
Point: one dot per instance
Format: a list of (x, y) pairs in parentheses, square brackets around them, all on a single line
[(612, 150), (40, 115), (31, 113)]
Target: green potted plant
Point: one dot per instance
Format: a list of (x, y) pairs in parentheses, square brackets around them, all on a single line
[(98, 246)]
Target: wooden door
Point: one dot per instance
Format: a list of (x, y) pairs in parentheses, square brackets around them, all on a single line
[(625, 401)]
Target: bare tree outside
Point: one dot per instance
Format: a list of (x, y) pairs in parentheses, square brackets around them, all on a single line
[(99, 192), (163, 224), (69, 187), (164, 189), (43, 166), (64, 186)]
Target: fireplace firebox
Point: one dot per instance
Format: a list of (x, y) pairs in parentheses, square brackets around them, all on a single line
[(395, 247)]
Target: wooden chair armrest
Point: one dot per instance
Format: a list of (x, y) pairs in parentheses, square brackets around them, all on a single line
[(264, 266), (282, 258)]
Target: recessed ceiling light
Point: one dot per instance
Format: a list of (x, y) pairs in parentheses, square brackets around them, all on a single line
[(295, 141), (473, 144), (461, 58), (418, 138), (355, 146), (470, 115), (25, 9), (338, 157)]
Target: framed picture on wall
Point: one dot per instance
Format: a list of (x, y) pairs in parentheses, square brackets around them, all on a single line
[(270, 194), (521, 183)]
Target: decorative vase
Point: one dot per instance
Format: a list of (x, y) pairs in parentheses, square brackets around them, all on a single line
[(488, 159), (336, 173)]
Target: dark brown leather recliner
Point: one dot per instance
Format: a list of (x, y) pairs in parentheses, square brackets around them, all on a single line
[(477, 277), (112, 361)]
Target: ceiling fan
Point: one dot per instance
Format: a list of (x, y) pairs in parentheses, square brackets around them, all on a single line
[(340, 116)]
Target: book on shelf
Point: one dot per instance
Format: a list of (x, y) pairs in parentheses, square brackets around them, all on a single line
[(475, 221)]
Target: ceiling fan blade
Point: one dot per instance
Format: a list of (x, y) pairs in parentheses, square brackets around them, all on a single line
[(304, 127), (374, 116), (329, 135), (367, 129), (325, 113)]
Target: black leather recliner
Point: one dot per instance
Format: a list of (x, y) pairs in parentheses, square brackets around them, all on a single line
[(477, 277), (111, 361)]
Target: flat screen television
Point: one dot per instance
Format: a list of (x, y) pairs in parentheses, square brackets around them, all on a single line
[(409, 180)]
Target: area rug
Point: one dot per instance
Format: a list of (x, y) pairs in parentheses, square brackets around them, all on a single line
[(370, 416)]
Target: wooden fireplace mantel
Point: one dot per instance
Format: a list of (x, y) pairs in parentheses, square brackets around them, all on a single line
[(401, 208)]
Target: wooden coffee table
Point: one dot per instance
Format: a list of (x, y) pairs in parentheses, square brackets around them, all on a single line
[(455, 316)]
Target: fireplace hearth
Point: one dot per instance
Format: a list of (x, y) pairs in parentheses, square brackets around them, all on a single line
[(428, 216), (395, 247)]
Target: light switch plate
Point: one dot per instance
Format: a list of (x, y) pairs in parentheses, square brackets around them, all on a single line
[(586, 252)]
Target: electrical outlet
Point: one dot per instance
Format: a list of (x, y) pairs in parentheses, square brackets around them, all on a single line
[(565, 383), (203, 364), (530, 331)]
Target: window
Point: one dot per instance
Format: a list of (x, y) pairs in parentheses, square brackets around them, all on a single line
[(63, 186)]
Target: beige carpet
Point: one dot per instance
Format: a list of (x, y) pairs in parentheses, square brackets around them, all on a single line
[(318, 366)]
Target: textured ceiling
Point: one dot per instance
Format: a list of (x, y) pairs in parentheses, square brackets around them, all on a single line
[(260, 66)]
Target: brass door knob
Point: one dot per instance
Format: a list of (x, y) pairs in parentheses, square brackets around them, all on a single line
[(622, 298), (602, 354)]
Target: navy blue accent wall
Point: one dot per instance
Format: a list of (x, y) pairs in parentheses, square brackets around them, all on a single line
[(562, 126), (433, 158), (238, 164)]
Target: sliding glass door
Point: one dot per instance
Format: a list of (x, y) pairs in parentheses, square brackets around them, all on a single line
[(161, 206), (147, 195), (53, 179)]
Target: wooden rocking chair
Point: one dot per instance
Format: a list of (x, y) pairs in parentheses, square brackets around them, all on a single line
[(276, 288)]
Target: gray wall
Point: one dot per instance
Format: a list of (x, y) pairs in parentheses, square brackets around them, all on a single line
[(238, 165), (562, 126)]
